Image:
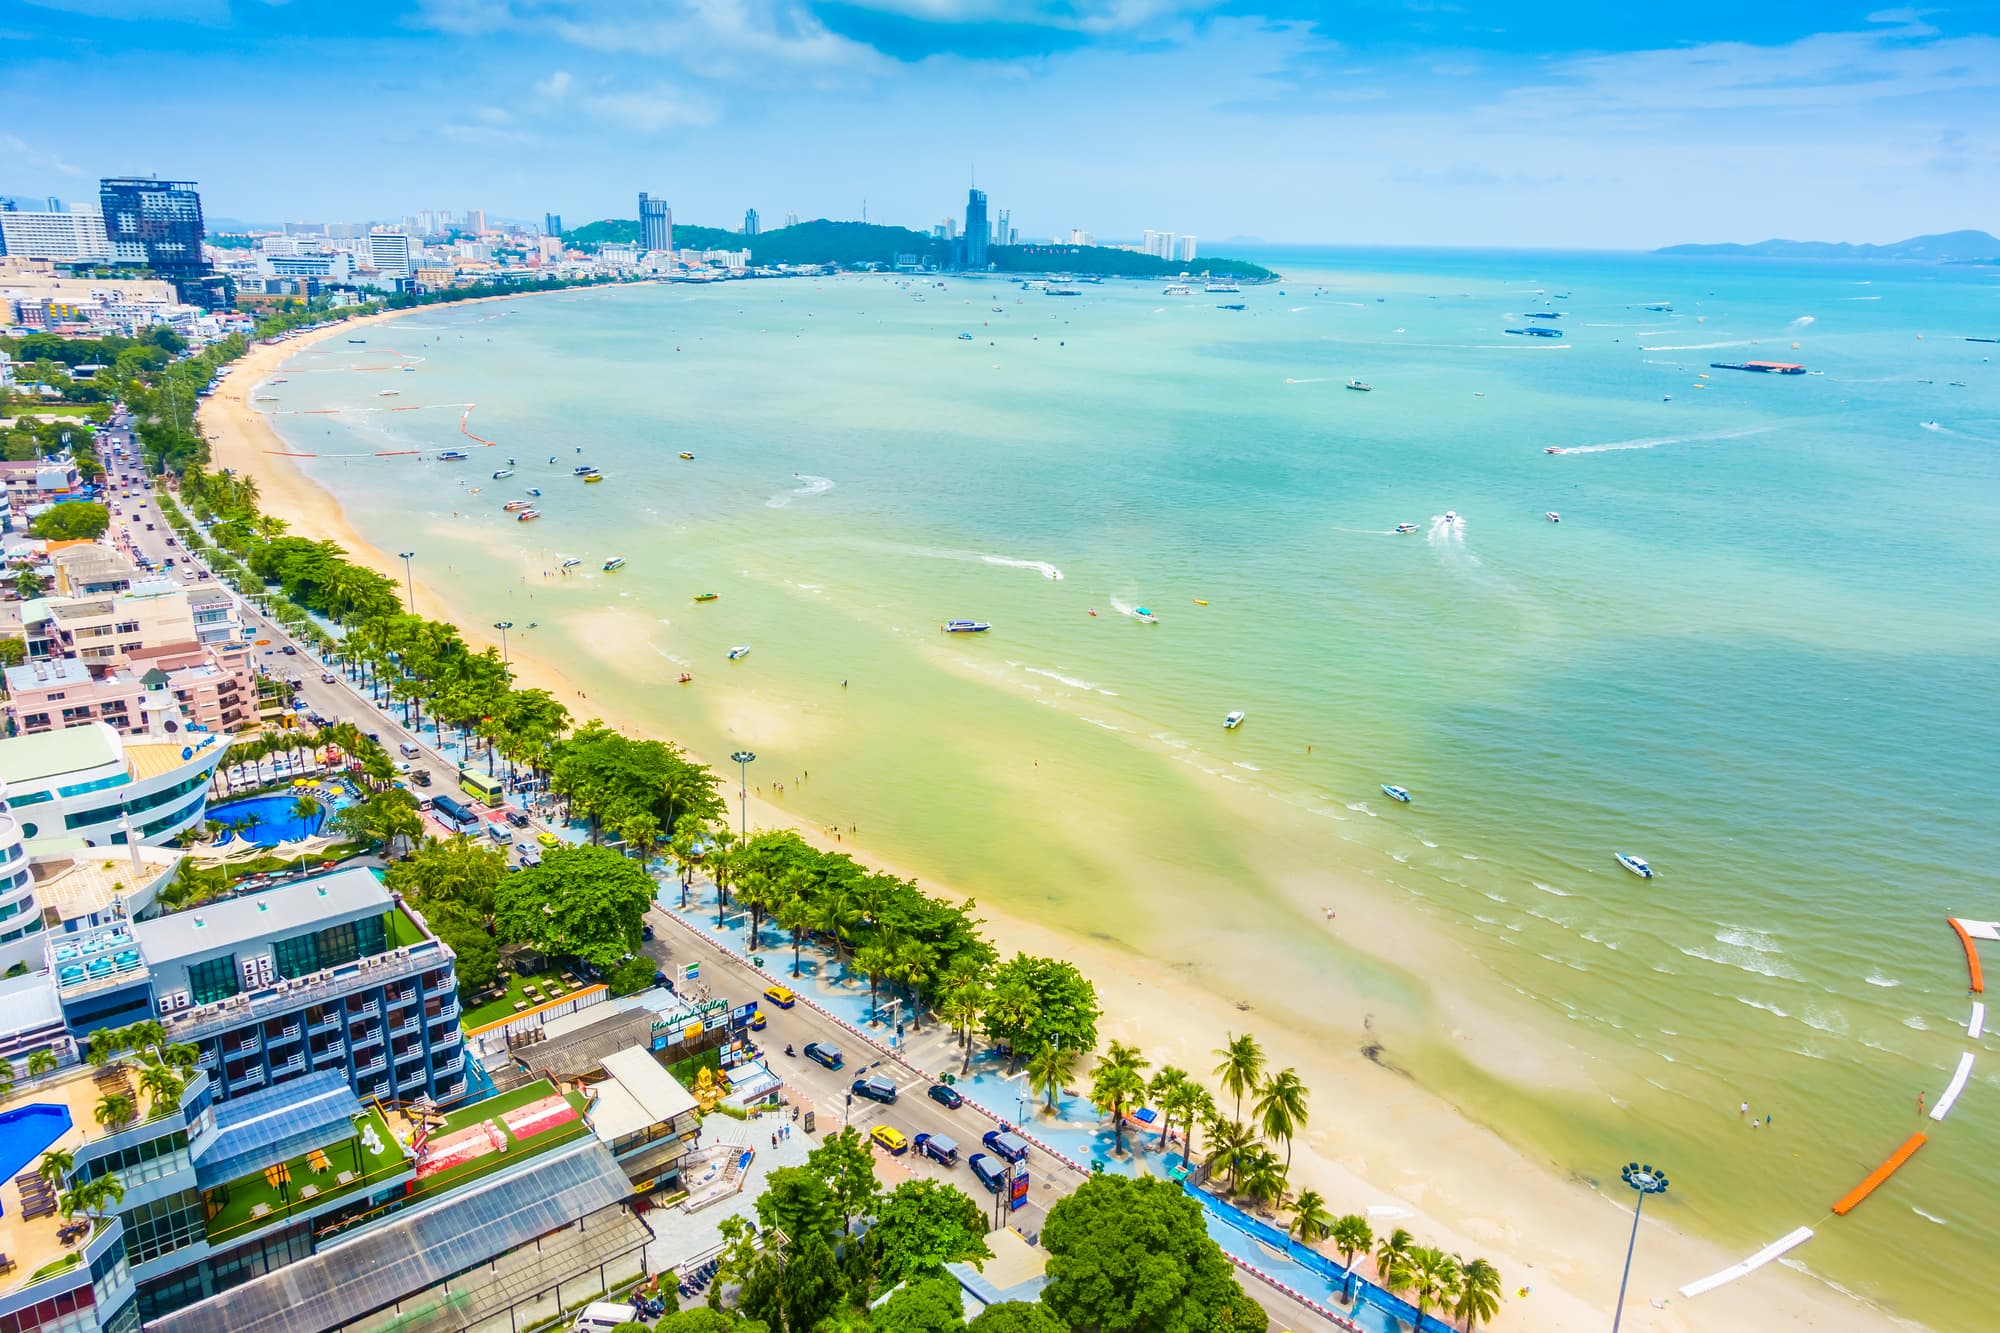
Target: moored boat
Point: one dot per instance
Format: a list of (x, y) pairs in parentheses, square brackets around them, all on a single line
[(1396, 793), (503, 473), (453, 456), (1360, 387), (1536, 331), (705, 596), (1233, 720), (615, 562), (685, 454), (535, 490), (515, 506), (966, 626), (740, 650), (582, 470), (590, 478), (527, 515), (1406, 527), (1636, 864), (571, 563), (1553, 517)]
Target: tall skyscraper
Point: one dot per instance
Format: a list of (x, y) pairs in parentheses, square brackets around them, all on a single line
[(749, 222), (390, 252), (551, 224), (1003, 229), (77, 235), (976, 233), (1185, 251), (475, 221), (656, 223), (155, 223), (791, 219)]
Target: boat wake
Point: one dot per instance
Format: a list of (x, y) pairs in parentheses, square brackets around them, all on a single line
[(1939, 428), (1048, 570), (1322, 379), (1702, 347), (1615, 446), (1071, 681), (812, 486), (1801, 322), (1447, 534)]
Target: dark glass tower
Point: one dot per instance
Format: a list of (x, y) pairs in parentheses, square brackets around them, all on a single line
[(155, 223), (976, 231)]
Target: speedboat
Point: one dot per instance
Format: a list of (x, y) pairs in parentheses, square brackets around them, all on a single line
[(453, 456), (1552, 516), (1359, 387), (503, 474), (966, 626), (1553, 449), (1636, 864), (1141, 614), (515, 506), (387, 393), (1537, 331), (615, 562), (1451, 516), (740, 650), (582, 470), (1233, 305), (965, 337), (1397, 793), (590, 478), (1406, 527), (685, 454), (705, 596), (535, 491), (527, 515), (571, 563), (1233, 720)]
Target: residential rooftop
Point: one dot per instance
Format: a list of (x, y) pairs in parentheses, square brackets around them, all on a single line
[(54, 753), (81, 886), (287, 909)]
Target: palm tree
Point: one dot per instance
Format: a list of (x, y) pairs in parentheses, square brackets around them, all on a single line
[(114, 1109), (1427, 1273), (1281, 1109), (1393, 1249), (1241, 1068), (1311, 1222), (964, 1000), (1229, 1142), (875, 962), (1116, 1083), (308, 810), (1478, 1297), (1263, 1175), (41, 1062), (1048, 1069), (795, 915), (162, 1087), (1351, 1235), (1168, 1089), (55, 1166), (1197, 1108)]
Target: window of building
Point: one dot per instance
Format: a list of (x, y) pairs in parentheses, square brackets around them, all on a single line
[(140, 1162), (214, 979), (165, 1225)]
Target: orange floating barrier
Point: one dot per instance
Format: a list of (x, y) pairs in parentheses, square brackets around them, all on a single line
[(1971, 955), (1879, 1174)]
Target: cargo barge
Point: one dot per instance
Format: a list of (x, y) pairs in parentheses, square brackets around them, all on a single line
[(1760, 367)]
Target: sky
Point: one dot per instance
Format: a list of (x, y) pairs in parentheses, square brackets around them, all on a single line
[(1563, 123)]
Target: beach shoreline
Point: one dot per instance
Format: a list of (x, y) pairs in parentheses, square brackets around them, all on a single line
[(1378, 1140)]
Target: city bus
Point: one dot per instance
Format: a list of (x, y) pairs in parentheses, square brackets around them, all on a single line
[(493, 791), (454, 813)]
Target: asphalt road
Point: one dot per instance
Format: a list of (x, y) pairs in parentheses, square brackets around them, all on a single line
[(827, 1091)]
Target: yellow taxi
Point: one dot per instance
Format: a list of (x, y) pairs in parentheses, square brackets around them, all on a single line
[(780, 996), (757, 1021), (548, 840), (890, 1139)]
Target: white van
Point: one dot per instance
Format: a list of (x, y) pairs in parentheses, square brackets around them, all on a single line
[(603, 1316), (408, 750)]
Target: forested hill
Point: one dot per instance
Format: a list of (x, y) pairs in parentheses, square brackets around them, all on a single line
[(852, 243)]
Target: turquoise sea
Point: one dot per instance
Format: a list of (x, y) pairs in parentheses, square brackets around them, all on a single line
[(1761, 648)]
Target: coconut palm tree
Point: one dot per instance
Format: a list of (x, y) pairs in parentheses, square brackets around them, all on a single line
[(1311, 1222), (1116, 1083), (41, 1062), (1197, 1108), (875, 961), (1351, 1235), (1427, 1273), (115, 1109), (309, 810), (964, 1000), (1048, 1069), (1281, 1109), (55, 1166), (1168, 1089), (1229, 1142), (1391, 1251), (162, 1087), (795, 915), (1478, 1298), (1263, 1175), (1241, 1068)]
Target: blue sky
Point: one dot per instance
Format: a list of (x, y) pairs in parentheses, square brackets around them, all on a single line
[(1558, 123)]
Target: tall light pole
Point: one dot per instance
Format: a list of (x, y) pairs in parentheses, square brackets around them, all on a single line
[(409, 583), (743, 759), (1646, 1181), (503, 626)]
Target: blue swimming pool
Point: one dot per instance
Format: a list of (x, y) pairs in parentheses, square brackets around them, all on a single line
[(25, 1131), (271, 818)]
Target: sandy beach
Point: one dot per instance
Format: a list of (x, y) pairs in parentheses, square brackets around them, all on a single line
[(1378, 1144)]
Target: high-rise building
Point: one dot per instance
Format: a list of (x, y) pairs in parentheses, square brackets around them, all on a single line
[(750, 223), (551, 224), (475, 221), (1003, 229), (976, 234), (77, 235), (1185, 250), (791, 219), (155, 223), (656, 223), (390, 252)]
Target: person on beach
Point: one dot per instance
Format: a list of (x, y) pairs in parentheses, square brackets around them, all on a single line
[(1920, 1104), (1743, 1110)]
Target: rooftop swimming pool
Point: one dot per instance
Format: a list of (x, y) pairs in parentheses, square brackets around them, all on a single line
[(273, 818)]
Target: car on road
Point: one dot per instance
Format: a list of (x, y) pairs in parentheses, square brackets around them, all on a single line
[(758, 1021), (822, 1054), (890, 1139), (530, 855), (875, 1088), (990, 1173), (290, 651), (519, 820), (781, 996), (326, 678), (948, 1097), (1003, 1144), (548, 840), (421, 776), (937, 1147)]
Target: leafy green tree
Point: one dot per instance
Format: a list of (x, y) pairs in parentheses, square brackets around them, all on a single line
[(1016, 1317), (739, 1258), (13, 652), (848, 1167), (1134, 1255), (1049, 1070), (72, 520), (581, 902), (797, 1200), (633, 977), (1242, 1068), (930, 1306), (458, 871), (1116, 1083), (478, 952), (699, 1319), (921, 1226), (1229, 1145), (810, 1283), (1262, 1175), (1061, 1006), (1425, 1272)]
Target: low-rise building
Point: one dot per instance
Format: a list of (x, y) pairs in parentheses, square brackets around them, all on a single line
[(214, 683), (34, 482), (644, 1116), (104, 631), (90, 569)]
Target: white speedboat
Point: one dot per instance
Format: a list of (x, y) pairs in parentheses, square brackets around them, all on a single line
[(1144, 617), (1397, 793), (615, 562), (1553, 517), (453, 456), (966, 626), (1636, 864), (1406, 527), (571, 563), (1359, 387), (740, 650), (1450, 516), (503, 473), (1233, 721)]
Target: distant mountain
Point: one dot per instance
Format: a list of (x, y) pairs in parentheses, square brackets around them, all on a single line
[(1951, 247)]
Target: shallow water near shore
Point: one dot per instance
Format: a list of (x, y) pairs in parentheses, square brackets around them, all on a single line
[(1759, 649)]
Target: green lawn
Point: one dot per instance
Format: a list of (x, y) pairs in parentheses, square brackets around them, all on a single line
[(495, 1010), (402, 930), (491, 1109), (246, 1194)]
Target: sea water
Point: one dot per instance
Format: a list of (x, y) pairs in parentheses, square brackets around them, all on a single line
[(1759, 649)]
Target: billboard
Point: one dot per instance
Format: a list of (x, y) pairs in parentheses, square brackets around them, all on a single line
[(1017, 1188), (740, 1015)]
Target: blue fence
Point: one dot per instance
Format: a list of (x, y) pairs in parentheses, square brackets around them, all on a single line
[(1366, 1293)]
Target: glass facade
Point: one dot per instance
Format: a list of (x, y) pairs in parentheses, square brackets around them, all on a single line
[(304, 954), (165, 1225), (215, 979), (140, 1162)]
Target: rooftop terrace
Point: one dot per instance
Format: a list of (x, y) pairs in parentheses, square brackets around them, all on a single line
[(353, 1163)]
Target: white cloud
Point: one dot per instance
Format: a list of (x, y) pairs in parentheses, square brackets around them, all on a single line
[(659, 107), (1094, 16), (493, 115), (555, 87), (14, 146), (486, 134)]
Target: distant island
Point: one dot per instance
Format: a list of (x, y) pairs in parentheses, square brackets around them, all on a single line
[(1951, 247), (853, 244)]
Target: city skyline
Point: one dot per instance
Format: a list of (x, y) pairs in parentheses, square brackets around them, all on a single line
[(1485, 124)]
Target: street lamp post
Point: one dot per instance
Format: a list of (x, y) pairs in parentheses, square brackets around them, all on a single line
[(503, 626), (1646, 1180), (743, 759), (409, 583)]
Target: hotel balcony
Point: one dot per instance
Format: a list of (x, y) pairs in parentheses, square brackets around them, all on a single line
[(366, 1009), (295, 1065), (321, 988), (439, 991), (368, 1036), (248, 1046), (327, 1024), (374, 1066), (457, 1089), (407, 995), (452, 1066), (207, 1058), (332, 1051), (381, 1091), (249, 1078), (448, 1014), (416, 1078), (290, 1032), (406, 1028), (444, 1038)]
